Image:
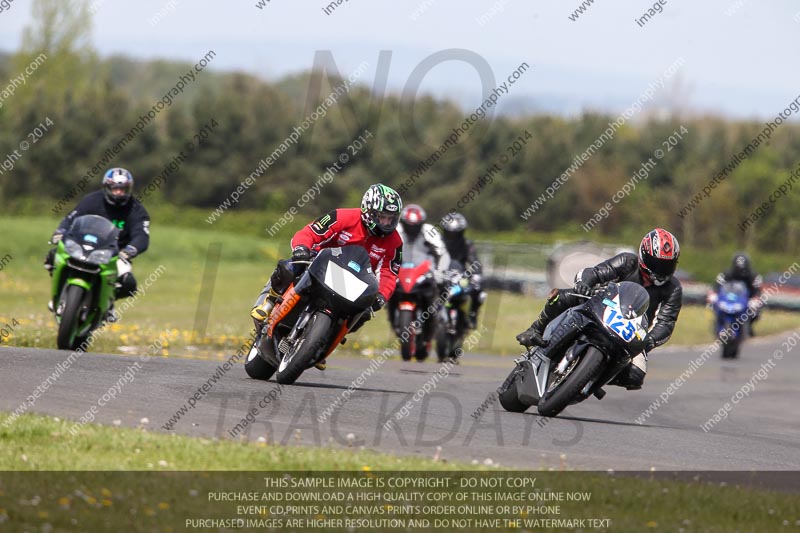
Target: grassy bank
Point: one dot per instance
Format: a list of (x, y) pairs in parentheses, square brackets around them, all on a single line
[(172, 479)]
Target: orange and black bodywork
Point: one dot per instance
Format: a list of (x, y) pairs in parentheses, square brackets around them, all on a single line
[(285, 305), (316, 311)]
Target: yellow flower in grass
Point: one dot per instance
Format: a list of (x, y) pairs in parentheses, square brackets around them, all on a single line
[(105, 492), (366, 468), (63, 501), (163, 506), (652, 523), (106, 502)]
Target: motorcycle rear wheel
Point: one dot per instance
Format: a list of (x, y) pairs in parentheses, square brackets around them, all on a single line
[(587, 369)]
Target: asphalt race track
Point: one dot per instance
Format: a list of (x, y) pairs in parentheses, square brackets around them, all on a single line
[(761, 431)]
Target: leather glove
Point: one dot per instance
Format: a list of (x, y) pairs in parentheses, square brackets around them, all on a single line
[(301, 253), (128, 253), (57, 237), (649, 343), (583, 288), (378, 304), (530, 337)]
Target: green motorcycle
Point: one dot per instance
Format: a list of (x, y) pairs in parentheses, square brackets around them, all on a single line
[(84, 276)]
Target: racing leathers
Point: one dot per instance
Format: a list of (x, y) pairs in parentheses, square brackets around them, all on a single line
[(662, 313), (339, 227), (462, 250)]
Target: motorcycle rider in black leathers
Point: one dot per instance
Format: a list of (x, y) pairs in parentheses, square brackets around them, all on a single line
[(463, 250), (653, 269), (116, 203), (741, 270)]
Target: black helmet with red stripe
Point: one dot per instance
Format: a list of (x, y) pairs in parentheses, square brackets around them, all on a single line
[(658, 256)]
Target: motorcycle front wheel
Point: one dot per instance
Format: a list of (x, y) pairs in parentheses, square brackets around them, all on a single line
[(70, 318), (312, 341), (408, 335), (587, 369)]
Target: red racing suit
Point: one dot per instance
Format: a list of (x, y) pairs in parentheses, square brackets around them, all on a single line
[(343, 226)]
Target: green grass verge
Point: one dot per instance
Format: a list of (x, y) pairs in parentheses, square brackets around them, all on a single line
[(30, 441), (215, 323), (82, 489)]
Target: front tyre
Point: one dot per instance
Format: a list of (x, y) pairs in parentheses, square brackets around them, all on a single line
[(255, 365), (730, 349), (587, 369), (408, 334), (70, 318), (312, 341), (444, 343)]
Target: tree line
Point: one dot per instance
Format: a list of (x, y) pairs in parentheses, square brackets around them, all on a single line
[(92, 102)]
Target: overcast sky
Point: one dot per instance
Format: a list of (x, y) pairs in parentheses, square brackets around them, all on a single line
[(741, 56)]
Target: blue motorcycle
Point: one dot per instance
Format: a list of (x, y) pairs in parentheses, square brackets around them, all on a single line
[(730, 304)]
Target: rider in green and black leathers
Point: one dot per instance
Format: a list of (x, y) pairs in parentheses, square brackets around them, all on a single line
[(116, 203)]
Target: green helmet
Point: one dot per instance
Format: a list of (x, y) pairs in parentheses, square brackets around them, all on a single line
[(380, 209)]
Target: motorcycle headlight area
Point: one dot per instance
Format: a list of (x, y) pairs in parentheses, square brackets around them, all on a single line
[(73, 249), (344, 282), (99, 257)]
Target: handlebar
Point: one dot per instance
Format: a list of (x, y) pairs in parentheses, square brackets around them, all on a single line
[(579, 295)]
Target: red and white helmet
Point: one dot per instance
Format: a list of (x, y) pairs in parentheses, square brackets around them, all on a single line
[(658, 256), (412, 218)]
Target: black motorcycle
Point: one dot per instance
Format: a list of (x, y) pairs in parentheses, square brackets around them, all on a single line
[(613, 327), (313, 315), (453, 317)]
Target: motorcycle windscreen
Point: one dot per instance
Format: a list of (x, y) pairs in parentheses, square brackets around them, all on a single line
[(624, 312), (95, 231), (732, 297), (347, 272)]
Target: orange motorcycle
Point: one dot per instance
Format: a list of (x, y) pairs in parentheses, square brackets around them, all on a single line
[(314, 314)]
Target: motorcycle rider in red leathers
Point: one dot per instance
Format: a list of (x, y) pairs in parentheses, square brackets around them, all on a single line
[(373, 226)]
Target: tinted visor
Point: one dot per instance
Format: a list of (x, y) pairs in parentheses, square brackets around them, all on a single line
[(660, 270)]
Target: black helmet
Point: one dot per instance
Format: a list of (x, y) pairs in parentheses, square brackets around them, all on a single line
[(453, 227), (454, 223), (741, 265)]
